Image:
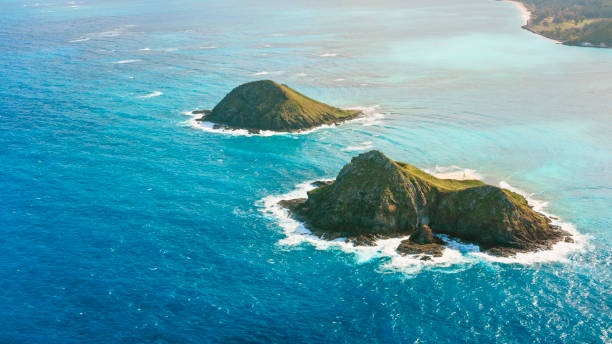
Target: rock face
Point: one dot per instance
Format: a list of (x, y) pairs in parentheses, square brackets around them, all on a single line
[(267, 105), (422, 241), (376, 196)]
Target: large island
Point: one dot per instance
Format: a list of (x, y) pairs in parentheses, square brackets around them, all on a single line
[(267, 105), (582, 23), (375, 197)]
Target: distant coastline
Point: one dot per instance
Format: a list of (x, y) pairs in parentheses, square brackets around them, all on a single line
[(526, 15), (588, 24)]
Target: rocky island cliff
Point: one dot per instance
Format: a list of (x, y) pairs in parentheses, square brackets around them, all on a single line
[(267, 105), (375, 197)]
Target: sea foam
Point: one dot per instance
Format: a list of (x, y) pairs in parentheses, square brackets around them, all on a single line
[(365, 145), (453, 172), (152, 94), (127, 61), (79, 40)]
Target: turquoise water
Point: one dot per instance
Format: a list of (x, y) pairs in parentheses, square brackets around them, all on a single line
[(123, 223)]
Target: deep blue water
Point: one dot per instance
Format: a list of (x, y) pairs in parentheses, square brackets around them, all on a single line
[(119, 222)]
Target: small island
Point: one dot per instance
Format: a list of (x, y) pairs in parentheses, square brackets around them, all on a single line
[(267, 105), (375, 197)]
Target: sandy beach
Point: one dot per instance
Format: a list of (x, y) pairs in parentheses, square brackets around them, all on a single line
[(525, 13)]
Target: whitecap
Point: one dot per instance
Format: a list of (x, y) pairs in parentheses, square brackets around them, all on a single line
[(328, 55), (208, 47), (152, 94), (453, 172), (278, 72), (145, 49), (365, 145), (339, 79), (194, 123), (84, 39), (371, 116), (126, 61)]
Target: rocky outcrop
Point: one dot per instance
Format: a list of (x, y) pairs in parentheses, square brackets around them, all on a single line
[(374, 196), (422, 241), (267, 105)]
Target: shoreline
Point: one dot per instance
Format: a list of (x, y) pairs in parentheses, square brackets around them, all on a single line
[(525, 13), (526, 16)]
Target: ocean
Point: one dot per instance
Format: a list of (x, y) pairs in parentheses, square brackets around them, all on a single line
[(123, 220)]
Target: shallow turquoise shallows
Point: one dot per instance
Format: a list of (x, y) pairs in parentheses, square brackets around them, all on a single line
[(122, 220)]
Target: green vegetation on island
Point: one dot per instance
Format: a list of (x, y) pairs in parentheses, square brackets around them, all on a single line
[(267, 105), (375, 197), (581, 23)]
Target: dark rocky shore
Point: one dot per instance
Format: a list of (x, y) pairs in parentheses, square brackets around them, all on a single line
[(375, 197), (267, 105)]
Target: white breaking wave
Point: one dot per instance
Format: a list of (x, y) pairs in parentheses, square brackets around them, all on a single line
[(453, 172), (456, 257), (209, 47), (145, 49), (127, 61), (371, 116), (366, 145), (278, 72), (328, 55), (152, 94), (85, 39)]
